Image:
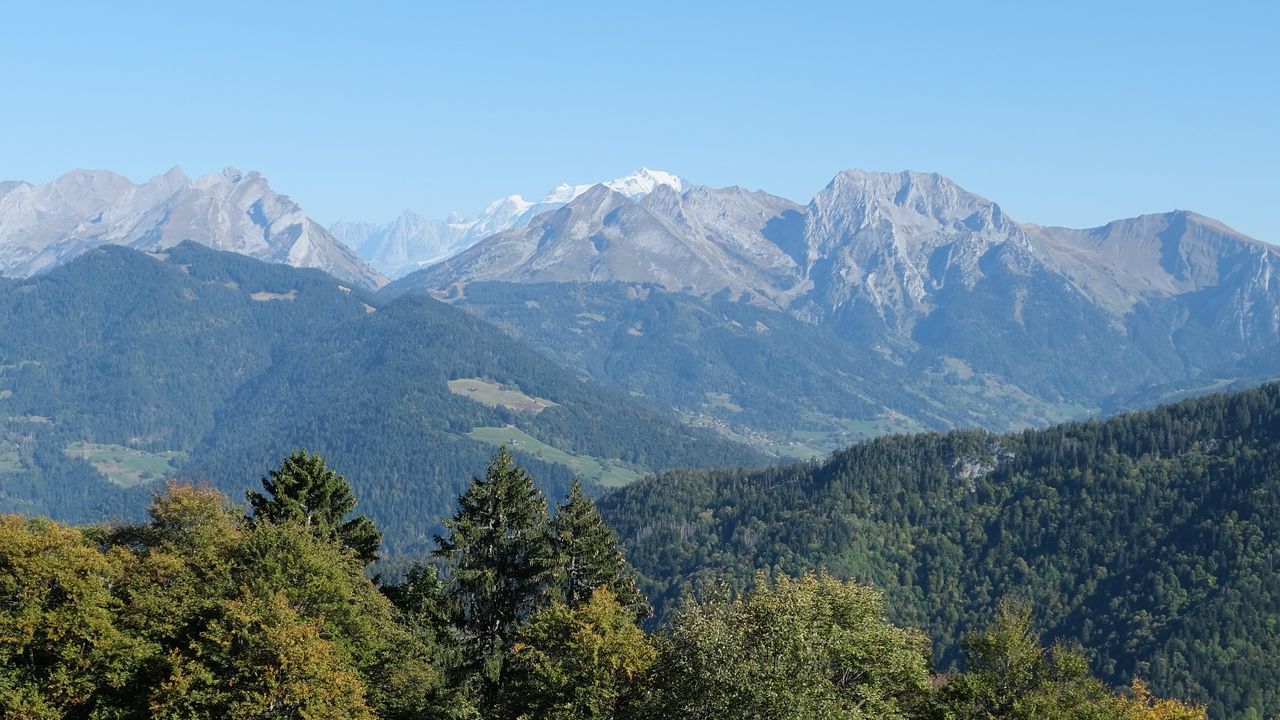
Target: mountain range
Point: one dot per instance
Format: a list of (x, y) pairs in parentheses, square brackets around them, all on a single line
[(932, 307), (889, 249), (992, 320), (412, 241), (42, 226)]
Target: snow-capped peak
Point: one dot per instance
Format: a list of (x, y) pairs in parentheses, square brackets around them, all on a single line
[(397, 254), (645, 181), (640, 183), (511, 204)]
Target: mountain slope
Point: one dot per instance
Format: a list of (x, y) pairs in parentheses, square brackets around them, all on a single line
[(789, 387), (934, 277), (120, 367), (701, 242), (42, 226), (412, 242), (1150, 538)]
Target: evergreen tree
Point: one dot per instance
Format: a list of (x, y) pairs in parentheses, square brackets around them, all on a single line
[(197, 614), (307, 491), (498, 559), (422, 601), (589, 556)]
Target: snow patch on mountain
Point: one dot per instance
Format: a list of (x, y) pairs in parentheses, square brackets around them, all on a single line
[(411, 242)]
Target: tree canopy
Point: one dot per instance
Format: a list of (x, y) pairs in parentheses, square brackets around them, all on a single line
[(1147, 538), (201, 611)]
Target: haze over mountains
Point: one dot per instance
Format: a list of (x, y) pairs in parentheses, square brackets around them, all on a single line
[(989, 321), (894, 300), (42, 226), (412, 241)]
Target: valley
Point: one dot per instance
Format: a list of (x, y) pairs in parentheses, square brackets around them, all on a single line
[(639, 361), (871, 385)]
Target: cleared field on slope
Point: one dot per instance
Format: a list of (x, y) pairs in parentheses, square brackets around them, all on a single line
[(124, 466), (494, 395)]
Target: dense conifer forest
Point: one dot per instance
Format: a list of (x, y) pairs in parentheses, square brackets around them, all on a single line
[(222, 364), (1149, 538)]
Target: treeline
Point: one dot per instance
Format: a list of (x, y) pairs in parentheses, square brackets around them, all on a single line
[(1149, 538), (202, 611)]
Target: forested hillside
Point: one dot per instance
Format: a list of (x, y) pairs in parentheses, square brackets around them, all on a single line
[(788, 386), (201, 611), (1150, 538), (121, 368)]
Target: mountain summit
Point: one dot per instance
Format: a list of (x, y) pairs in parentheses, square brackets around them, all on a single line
[(412, 242), (894, 246), (931, 275), (45, 225)]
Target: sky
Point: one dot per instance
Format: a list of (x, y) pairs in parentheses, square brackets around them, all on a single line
[(1069, 113)]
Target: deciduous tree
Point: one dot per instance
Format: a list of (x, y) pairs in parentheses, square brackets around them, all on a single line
[(584, 662)]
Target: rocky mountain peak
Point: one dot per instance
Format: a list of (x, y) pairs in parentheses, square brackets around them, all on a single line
[(920, 201), (44, 225), (398, 250), (598, 196)]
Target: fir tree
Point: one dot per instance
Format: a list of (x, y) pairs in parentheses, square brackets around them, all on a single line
[(589, 557), (305, 490), (497, 559)]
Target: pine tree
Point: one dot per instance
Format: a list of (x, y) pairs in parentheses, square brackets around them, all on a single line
[(307, 491), (589, 557), (498, 559)]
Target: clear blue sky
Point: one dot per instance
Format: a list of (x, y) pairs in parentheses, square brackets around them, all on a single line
[(1066, 113)]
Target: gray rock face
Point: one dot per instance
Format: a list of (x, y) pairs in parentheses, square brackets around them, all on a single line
[(413, 242), (701, 242), (44, 225), (893, 241), (742, 236), (890, 240), (919, 263)]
